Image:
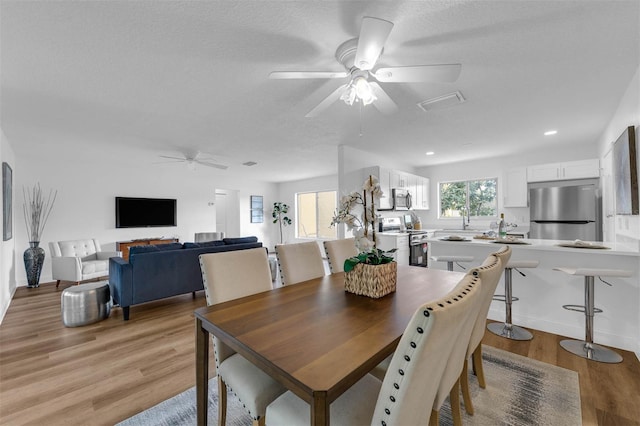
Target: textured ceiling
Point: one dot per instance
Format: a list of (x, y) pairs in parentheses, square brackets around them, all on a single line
[(161, 77)]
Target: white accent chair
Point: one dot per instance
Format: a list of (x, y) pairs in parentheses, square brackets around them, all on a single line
[(406, 394), (338, 251), (79, 260), (227, 276), (299, 262)]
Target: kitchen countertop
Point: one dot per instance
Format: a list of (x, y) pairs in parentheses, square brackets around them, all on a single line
[(552, 245), (544, 289)]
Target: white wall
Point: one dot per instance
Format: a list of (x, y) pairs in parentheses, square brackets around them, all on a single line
[(85, 206), (627, 228), (7, 248)]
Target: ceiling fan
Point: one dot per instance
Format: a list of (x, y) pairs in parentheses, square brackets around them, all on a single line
[(193, 158), (359, 57)]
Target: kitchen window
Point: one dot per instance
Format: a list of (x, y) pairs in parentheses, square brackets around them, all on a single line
[(474, 198), (314, 212)]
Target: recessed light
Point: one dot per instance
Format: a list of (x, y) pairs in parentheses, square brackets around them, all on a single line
[(430, 152), (550, 132)]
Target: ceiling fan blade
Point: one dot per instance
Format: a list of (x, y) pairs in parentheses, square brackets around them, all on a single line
[(307, 74), (445, 73), (373, 35), (169, 162), (214, 165), (383, 103), (173, 158), (326, 102)]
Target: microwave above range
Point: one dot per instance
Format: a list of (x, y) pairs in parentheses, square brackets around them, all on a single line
[(401, 199)]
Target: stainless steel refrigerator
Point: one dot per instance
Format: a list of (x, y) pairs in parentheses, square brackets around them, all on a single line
[(561, 211)]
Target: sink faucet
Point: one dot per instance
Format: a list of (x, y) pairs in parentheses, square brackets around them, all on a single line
[(465, 211)]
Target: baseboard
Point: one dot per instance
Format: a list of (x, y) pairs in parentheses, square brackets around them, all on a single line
[(571, 331), (4, 309)]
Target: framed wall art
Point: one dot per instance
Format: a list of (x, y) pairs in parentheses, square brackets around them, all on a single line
[(7, 202), (257, 209), (625, 173)]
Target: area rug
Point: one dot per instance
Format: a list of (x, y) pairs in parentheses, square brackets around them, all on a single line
[(520, 391)]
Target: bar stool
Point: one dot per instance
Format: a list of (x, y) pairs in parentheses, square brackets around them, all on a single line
[(451, 259), (507, 329), (586, 348)]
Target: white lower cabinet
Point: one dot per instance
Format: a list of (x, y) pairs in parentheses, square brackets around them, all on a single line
[(398, 241)]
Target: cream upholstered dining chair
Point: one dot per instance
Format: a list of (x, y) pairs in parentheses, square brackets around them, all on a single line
[(79, 260), (488, 272), (338, 251), (299, 262), (227, 276), (474, 350), (408, 390)]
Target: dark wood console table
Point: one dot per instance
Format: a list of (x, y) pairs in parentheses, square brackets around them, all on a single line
[(124, 246)]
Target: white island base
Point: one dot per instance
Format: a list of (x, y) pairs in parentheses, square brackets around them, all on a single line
[(543, 291)]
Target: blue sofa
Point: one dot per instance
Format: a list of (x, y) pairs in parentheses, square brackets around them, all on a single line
[(158, 271)]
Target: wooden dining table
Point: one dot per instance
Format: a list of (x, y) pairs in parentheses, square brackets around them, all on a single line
[(314, 338)]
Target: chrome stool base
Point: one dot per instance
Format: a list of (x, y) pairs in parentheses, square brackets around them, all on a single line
[(512, 332), (591, 351)]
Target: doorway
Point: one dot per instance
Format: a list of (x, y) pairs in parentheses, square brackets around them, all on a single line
[(608, 198), (228, 212)]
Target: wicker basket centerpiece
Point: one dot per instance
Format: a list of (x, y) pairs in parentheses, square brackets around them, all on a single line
[(373, 271), (371, 280)]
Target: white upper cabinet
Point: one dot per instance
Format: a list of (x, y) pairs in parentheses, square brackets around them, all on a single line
[(564, 171), (581, 169), (389, 179), (515, 188), (421, 194), (399, 179)]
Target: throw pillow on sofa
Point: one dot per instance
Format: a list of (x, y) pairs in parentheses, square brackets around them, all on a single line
[(142, 249), (241, 240), (204, 244), (169, 246)]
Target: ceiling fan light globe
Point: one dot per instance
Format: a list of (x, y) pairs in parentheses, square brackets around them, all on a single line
[(361, 86), (369, 99), (349, 95)]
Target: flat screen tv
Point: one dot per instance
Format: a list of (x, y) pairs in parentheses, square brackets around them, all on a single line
[(145, 212)]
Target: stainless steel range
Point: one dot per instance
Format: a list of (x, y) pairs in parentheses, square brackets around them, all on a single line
[(418, 246)]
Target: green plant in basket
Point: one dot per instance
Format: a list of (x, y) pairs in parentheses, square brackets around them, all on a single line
[(373, 257), (358, 212)]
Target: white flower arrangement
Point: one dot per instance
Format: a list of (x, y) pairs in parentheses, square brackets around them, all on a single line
[(358, 212)]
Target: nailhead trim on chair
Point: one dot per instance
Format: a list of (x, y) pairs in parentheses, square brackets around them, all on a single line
[(245, 407)]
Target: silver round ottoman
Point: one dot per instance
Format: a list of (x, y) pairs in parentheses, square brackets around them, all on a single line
[(85, 303)]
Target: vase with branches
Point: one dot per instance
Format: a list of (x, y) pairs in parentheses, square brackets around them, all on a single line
[(36, 208), (280, 217)]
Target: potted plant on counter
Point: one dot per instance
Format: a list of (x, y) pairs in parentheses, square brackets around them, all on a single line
[(373, 271)]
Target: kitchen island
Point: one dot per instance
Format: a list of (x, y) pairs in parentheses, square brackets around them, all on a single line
[(543, 291)]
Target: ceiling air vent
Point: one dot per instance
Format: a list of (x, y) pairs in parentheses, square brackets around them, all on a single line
[(249, 163), (444, 101)]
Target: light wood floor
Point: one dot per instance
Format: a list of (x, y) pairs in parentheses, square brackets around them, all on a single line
[(106, 372)]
